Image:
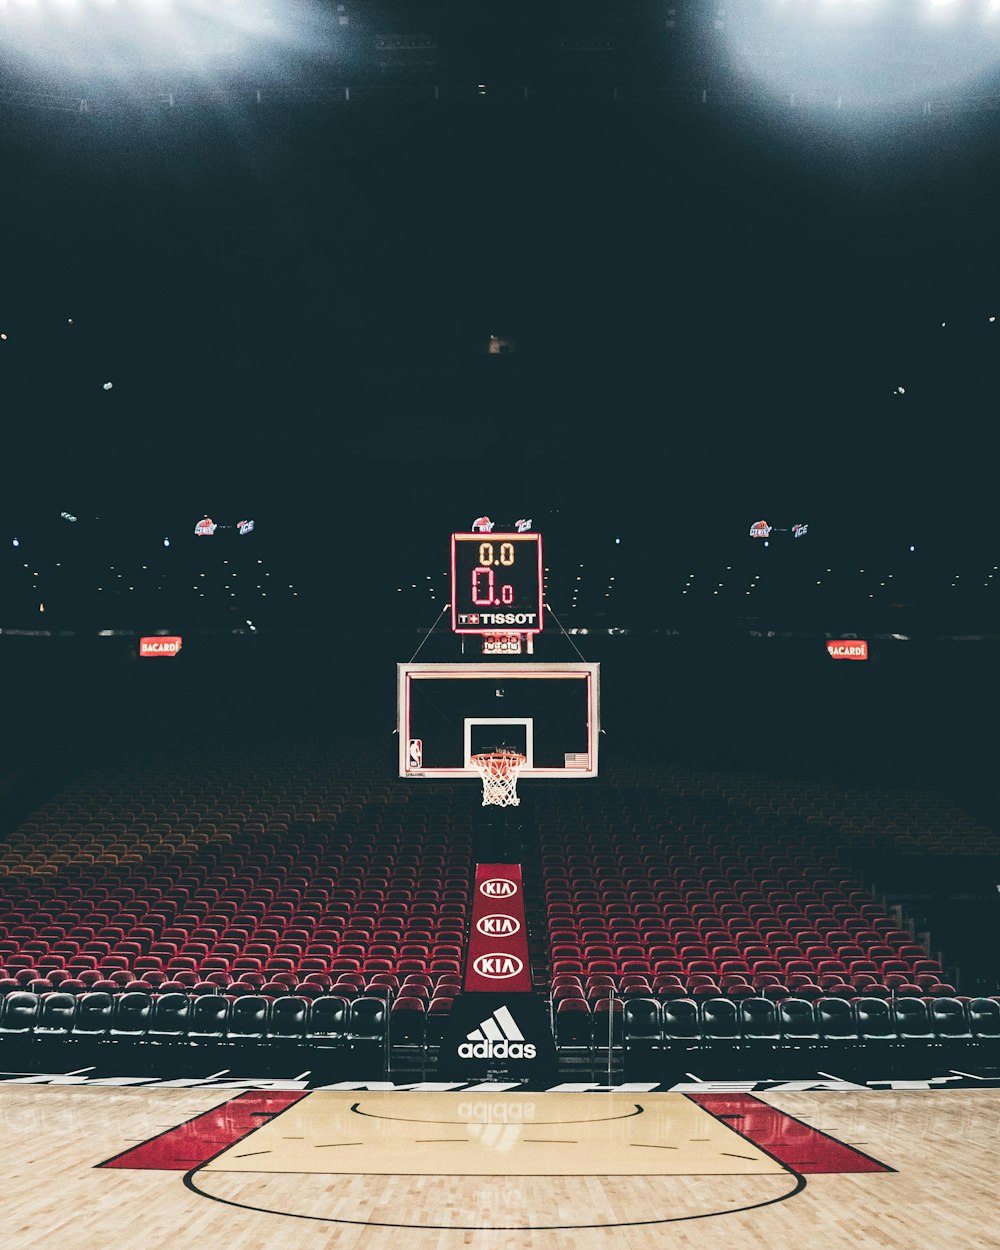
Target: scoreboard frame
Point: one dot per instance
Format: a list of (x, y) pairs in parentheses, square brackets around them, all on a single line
[(520, 606)]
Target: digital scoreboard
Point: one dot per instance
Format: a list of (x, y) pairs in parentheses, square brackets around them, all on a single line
[(496, 583)]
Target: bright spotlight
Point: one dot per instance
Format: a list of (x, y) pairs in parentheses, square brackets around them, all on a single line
[(853, 55)]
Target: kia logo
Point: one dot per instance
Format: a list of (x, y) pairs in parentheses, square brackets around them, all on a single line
[(498, 926), (498, 887), (498, 967)]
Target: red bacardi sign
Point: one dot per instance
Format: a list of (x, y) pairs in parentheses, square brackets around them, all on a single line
[(848, 649), (159, 645)]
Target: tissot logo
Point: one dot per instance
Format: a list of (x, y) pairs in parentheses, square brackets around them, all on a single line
[(496, 618), (498, 926), (497, 1037), (498, 887), (497, 966)]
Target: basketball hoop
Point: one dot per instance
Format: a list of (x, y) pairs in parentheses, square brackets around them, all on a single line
[(499, 770)]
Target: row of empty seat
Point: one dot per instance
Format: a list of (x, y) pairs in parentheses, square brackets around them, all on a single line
[(645, 1022), (328, 1021)]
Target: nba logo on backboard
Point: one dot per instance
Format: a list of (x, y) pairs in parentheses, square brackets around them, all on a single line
[(415, 753)]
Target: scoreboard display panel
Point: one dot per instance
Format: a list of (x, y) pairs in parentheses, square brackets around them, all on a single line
[(496, 583)]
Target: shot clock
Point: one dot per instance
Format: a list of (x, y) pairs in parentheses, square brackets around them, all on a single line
[(496, 583)]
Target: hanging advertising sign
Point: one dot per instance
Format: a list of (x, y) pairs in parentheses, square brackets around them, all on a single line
[(159, 645), (848, 649)]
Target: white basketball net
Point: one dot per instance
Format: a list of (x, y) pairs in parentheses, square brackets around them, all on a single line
[(499, 770)]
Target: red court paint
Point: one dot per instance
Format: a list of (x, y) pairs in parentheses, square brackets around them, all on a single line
[(497, 959), (196, 1141), (799, 1146)]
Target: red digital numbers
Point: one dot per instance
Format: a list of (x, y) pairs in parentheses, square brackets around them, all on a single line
[(488, 558), (487, 600)]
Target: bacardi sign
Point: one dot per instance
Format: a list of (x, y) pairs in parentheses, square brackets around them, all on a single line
[(848, 649), (159, 645)]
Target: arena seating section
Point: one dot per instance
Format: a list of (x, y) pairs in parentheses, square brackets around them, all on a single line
[(708, 910), (705, 889), (264, 899), (290, 876)]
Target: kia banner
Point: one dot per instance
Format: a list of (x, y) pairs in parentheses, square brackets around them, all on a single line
[(159, 646), (497, 959), (848, 649)]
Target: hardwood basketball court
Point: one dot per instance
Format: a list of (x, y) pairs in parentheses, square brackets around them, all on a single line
[(592, 1171)]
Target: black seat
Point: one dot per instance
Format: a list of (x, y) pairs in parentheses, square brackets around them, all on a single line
[(912, 1021), (797, 1022), (407, 1021), (984, 1021), (368, 1020), (94, 1013), (57, 1015), (209, 1020), (438, 1012), (328, 1020), (248, 1018), (20, 1014), (171, 1018), (876, 1026), (949, 1020), (642, 1024), (681, 1025), (287, 1019), (720, 1023), (759, 1021), (835, 1017), (574, 1023), (132, 1015)]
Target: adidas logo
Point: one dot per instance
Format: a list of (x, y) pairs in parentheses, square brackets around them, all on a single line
[(497, 1037)]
